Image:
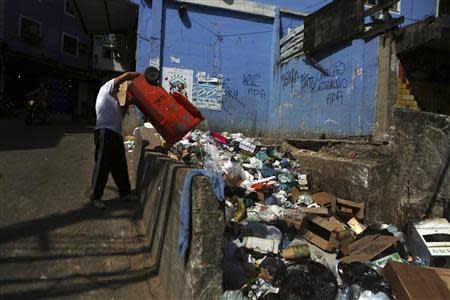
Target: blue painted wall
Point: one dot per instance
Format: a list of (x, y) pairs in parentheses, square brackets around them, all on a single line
[(342, 104), (233, 45), (416, 10), (260, 96), (225, 45), (144, 35)]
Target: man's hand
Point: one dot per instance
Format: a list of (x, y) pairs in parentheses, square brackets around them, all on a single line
[(125, 77)]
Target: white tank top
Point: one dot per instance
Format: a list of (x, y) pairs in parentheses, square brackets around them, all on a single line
[(107, 108)]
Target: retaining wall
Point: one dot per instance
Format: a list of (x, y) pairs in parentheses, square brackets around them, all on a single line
[(357, 180), (420, 175), (159, 183), (410, 181)]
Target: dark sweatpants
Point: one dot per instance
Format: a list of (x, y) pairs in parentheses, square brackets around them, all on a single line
[(109, 157)]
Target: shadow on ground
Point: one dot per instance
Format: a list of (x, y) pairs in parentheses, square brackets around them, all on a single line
[(15, 135), (30, 249), (52, 245)]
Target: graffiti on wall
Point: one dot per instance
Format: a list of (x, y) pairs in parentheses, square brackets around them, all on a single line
[(300, 83), (232, 94), (251, 82)]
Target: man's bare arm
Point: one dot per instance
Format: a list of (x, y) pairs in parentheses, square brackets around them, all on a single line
[(125, 77)]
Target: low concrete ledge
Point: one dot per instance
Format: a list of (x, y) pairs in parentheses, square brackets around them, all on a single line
[(159, 183), (354, 180), (410, 182)]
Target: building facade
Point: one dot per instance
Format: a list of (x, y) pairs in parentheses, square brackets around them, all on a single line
[(227, 54), (43, 42)]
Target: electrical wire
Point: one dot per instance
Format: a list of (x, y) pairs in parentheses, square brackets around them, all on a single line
[(205, 27), (198, 10), (220, 36), (144, 38)]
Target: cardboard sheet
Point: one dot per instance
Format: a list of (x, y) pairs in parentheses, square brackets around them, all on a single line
[(410, 282), (368, 247)]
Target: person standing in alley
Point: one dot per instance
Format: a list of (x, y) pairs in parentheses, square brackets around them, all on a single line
[(109, 148)]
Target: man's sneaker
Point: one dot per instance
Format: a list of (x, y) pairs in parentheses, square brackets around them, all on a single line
[(129, 197), (97, 203)]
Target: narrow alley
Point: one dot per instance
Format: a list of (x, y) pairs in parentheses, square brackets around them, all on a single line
[(53, 243)]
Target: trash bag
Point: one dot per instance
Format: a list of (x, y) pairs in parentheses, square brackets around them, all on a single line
[(263, 231), (249, 202), (308, 280), (284, 178), (236, 270), (267, 171), (284, 187), (305, 198), (285, 163), (361, 277), (262, 156), (271, 200), (276, 268)]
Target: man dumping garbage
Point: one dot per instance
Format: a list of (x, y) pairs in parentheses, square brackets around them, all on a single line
[(109, 147)]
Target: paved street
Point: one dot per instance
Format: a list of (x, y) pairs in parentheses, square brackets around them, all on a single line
[(53, 244)]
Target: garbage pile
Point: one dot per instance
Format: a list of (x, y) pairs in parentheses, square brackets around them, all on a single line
[(283, 242)]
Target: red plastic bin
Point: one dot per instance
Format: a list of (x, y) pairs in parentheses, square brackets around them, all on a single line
[(172, 115)]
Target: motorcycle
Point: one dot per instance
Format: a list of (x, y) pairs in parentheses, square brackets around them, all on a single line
[(7, 107), (36, 110)]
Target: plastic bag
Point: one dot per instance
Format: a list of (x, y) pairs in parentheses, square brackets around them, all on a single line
[(265, 213), (305, 198), (260, 289), (276, 269), (362, 277), (253, 163), (237, 272), (284, 178), (233, 295), (260, 230), (309, 281), (261, 155)]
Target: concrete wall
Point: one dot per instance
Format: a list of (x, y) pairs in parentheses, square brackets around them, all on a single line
[(407, 179), (420, 174), (387, 87), (159, 182), (54, 21)]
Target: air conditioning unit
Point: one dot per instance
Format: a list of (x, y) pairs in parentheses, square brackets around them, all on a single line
[(430, 240)]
